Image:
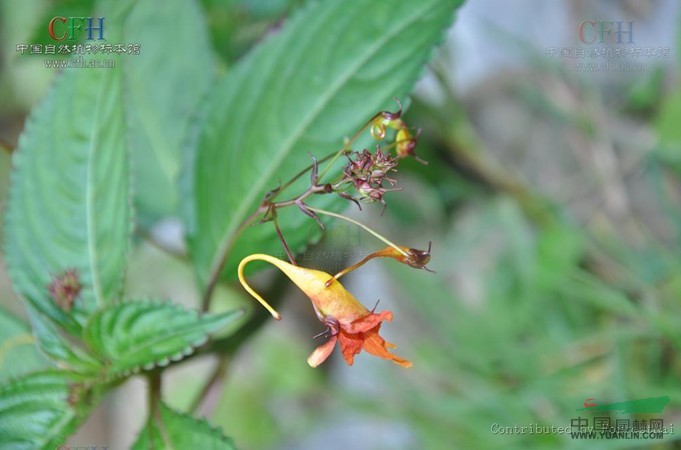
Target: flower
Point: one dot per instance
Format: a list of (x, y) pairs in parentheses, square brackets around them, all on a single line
[(349, 322)]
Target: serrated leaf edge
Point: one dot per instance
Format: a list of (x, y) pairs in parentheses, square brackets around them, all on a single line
[(166, 360)]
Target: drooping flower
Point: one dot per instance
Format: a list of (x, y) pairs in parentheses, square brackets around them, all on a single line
[(349, 322)]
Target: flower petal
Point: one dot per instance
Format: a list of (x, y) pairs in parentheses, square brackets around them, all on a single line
[(350, 345), (376, 345), (368, 322), (321, 353)]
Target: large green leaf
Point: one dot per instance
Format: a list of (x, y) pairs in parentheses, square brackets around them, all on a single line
[(68, 205), (332, 67), (176, 431), (18, 353), (162, 95), (40, 410), (141, 335)]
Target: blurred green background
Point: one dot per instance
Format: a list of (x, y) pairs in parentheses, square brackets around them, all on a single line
[(553, 203)]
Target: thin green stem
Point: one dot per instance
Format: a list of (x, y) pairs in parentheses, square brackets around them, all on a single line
[(361, 225)]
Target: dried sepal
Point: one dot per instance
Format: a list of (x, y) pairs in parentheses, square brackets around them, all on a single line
[(65, 288)]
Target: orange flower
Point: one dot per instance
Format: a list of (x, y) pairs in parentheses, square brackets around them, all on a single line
[(352, 325)]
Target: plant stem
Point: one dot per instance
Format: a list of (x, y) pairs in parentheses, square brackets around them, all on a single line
[(361, 225), (309, 191), (301, 173), (283, 241), (154, 380), (154, 391)]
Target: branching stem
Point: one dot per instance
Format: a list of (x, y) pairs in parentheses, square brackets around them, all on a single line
[(361, 225)]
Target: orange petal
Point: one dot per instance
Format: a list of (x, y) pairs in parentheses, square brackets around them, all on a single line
[(321, 353), (367, 323), (377, 346), (350, 344)]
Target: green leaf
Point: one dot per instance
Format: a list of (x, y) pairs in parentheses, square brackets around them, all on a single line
[(141, 335), (68, 205), (333, 66), (55, 345), (162, 95), (178, 431), (40, 410), (18, 353)]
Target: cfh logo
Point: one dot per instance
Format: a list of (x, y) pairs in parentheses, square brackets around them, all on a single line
[(606, 32), (61, 28)]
